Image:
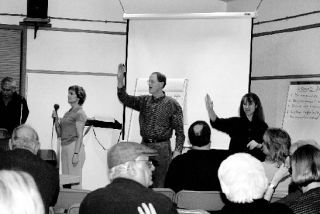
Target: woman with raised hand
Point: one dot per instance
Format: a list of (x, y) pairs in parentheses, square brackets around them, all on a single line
[(245, 131)]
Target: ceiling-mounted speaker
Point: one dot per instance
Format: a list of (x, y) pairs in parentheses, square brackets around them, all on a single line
[(37, 9)]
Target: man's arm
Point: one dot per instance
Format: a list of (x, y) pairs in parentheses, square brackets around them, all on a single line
[(179, 130), (24, 110), (130, 101)]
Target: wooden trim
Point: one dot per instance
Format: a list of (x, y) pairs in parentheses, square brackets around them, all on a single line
[(304, 82), (10, 27), (69, 73), (23, 64), (80, 30), (295, 76), (286, 30)]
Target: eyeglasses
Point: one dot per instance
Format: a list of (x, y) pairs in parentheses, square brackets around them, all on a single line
[(148, 163), (6, 89)]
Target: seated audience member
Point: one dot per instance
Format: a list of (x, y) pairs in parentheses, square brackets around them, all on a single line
[(130, 173), (19, 194), (24, 146), (243, 181), (305, 165), (196, 169), (276, 146), (282, 174)]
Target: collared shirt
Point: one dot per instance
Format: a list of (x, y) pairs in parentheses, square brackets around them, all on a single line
[(158, 116)]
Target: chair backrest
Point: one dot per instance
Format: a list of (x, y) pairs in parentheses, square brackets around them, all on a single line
[(74, 209), (166, 191), (69, 197), (205, 200), (184, 211), (4, 139), (277, 195), (49, 156)]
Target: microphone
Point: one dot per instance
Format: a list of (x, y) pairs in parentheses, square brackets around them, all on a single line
[(56, 107), (55, 115)]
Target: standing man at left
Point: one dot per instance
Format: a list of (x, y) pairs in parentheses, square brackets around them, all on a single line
[(13, 107), (159, 116)]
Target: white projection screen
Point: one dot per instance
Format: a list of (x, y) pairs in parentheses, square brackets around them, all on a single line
[(212, 51)]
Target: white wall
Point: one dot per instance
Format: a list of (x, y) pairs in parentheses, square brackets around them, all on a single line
[(55, 53), (289, 53), (212, 53)]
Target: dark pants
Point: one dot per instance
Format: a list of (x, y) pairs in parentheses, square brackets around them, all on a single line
[(161, 162)]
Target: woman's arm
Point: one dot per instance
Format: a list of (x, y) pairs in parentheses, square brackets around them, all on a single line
[(56, 121), (280, 174), (80, 127)]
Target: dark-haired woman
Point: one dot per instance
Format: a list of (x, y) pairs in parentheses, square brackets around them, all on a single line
[(245, 131), (70, 129)]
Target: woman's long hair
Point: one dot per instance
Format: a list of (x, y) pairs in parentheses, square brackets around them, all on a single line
[(252, 98)]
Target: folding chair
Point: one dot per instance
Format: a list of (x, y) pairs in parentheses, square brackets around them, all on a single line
[(4, 139), (166, 191), (74, 209), (69, 197), (204, 200), (49, 156), (277, 195)]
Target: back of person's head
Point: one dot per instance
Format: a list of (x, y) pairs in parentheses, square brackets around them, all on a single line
[(299, 143), (121, 156), (19, 194), (277, 142), (305, 163), (242, 178), (252, 98), (199, 133), (25, 137)]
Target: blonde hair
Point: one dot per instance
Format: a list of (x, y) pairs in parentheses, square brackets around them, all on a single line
[(305, 163), (242, 178), (19, 194)]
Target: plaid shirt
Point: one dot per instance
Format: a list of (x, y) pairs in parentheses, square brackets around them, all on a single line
[(158, 116)]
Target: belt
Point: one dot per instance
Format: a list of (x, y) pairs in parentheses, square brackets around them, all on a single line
[(147, 141)]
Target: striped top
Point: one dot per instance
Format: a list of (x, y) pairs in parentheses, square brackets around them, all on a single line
[(308, 202)]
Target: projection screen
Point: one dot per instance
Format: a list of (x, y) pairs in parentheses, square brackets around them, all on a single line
[(212, 51)]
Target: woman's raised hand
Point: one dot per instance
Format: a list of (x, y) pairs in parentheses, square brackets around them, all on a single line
[(209, 106)]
